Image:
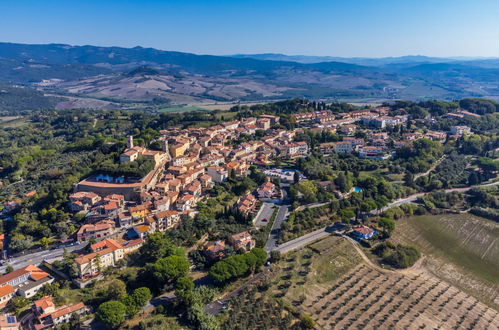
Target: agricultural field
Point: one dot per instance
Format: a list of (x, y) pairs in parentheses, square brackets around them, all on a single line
[(12, 121), (462, 249), (369, 298), (182, 108), (332, 283)]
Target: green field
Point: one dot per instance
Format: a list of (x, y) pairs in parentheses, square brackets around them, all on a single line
[(182, 108), (10, 121), (465, 240)]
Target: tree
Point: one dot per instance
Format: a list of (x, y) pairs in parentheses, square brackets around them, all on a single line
[(116, 289), (157, 246), (9, 269), (275, 256), (131, 307), (307, 321), (141, 296), (169, 269), (296, 177), (342, 182), (111, 313), (183, 285), (261, 256), (388, 225), (18, 303), (44, 242)]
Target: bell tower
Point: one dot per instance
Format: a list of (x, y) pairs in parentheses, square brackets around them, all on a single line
[(129, 141)]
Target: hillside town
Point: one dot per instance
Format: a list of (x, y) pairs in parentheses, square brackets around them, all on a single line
[(121, 211)]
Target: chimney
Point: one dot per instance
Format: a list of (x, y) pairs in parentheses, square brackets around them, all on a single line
[(129, 141)]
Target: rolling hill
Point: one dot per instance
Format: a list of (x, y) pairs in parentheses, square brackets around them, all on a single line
[(92, 76)]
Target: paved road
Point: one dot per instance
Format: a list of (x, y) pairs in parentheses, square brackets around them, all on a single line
[(37, 257), (275, 232), (325, 231), (265, 213), (311, 206)]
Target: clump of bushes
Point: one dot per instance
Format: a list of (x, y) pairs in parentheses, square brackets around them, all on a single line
[(398, 256)]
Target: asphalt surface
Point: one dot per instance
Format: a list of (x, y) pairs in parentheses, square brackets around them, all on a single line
[(37, 257), (275, 232), (265, 213)]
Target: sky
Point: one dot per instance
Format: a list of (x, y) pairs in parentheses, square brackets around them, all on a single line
[(346, 28)]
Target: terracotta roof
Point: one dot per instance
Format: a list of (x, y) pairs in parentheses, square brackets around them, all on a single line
[(5, 290), (38, 275), (108, 242), (44, 303), (84, 259), (133, 242), (165, 214), (363, 230), (12, 275), (67, 310), (142, 228)]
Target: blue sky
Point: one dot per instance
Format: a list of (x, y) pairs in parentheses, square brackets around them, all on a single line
[(367, 28)]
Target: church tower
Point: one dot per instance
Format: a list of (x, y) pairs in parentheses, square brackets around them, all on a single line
[(129, 141)]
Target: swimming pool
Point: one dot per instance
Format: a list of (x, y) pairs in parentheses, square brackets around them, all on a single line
[(357, 189)]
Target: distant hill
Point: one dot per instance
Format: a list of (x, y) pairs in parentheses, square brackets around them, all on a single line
[(18, 99), (92, 76), (352, 60)]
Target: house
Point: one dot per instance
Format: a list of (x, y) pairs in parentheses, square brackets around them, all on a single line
[(436, 136), (132, 152), (177, 147), (139, 211), (372, 152), (125, 219), (343, 147), (215, 251), (363, 232), (49, 316), (185, 202), (246, 204), (167, 219), (296, 149), (132, 246), (348, 129), (97, 230), (326, 185), (162, 204), (242, 241), (263, 123), (25, 282), (266, 190), (81, 201), (273, 119), (104, 254), (327, 148), (142, 230), (6, 293), (460, 130), (217, 173), (206, 181), (9, 322)]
